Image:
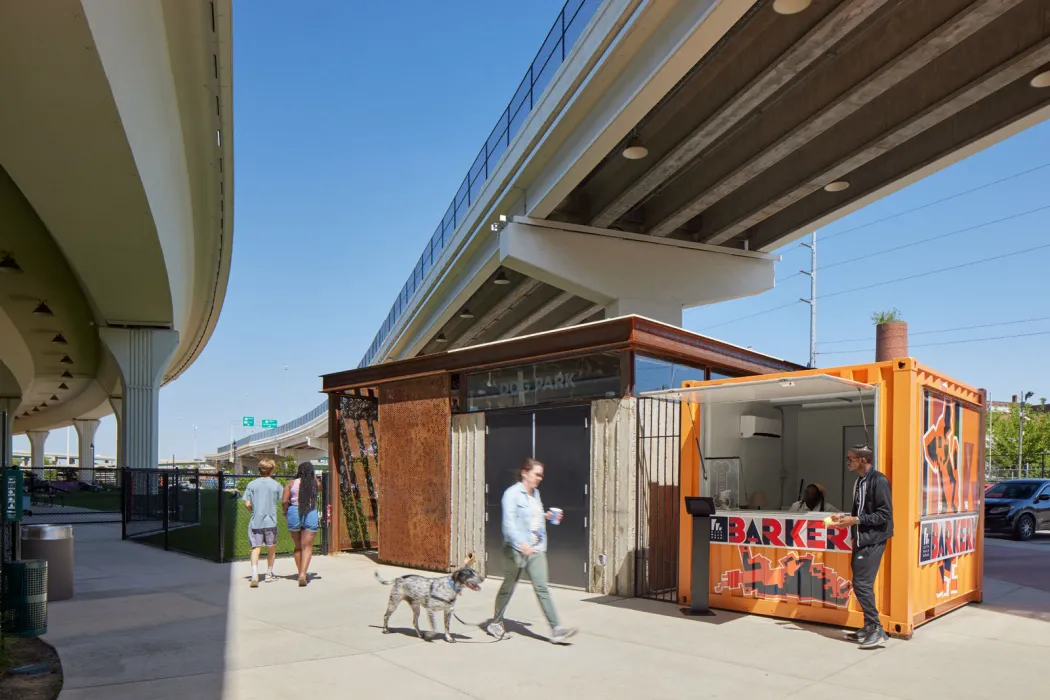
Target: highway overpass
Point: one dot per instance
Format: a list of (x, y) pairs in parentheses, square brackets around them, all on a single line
[(656, 152), (116, 209)]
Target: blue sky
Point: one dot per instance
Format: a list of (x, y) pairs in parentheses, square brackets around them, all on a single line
[(354, 124)]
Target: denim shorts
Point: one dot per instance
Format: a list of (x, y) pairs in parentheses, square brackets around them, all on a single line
[(295, 524)]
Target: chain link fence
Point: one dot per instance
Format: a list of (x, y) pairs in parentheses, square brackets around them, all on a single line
[(1001, 467), (202, 514)]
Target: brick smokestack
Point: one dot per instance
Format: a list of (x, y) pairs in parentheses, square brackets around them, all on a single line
[(891, 341)]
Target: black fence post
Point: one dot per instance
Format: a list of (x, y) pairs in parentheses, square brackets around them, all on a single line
[(164, 501), (122, 477), (221, 519)]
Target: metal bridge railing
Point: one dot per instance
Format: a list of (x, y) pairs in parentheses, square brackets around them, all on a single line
[(568, 27), (291, 426)]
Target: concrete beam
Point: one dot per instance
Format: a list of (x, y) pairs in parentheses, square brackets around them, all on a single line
[(580, 317), (977, 90), (538, 315), (951, 33), (494, 314), (609, 266), (813, 46)]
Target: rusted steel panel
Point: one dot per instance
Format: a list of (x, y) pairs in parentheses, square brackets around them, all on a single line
[(416, 481)]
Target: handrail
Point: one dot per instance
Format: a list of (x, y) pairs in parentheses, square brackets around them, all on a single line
[(567, 28)]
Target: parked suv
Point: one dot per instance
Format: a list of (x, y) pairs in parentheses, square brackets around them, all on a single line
[(1018, 507)]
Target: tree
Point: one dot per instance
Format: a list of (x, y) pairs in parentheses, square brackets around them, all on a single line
[(1003, 432)]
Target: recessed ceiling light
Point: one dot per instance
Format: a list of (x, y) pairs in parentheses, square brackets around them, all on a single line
[(35, 409), (8, 263), (1042, 80), (53, 398), (441, 338), (501, 278), (790, 7), (63, 386), (66, 360), (836, 186), (635, 150), (24, 415), (465, 313), (59, 340), (42, 309), (67, 374)]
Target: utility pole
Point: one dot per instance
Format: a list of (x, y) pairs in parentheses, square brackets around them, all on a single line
[(812, 301), (1020, 430)]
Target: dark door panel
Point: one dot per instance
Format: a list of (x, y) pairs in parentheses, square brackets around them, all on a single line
[(563, 445), (507, 444)]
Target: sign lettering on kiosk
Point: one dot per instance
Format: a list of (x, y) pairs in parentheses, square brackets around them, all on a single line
[(783, 532), (946, 538)]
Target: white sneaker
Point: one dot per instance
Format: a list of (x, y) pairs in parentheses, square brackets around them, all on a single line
[(496, 630), (271, 576), (560, 635), (254, 583)]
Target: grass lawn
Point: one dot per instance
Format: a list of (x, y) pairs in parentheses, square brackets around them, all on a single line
[(107, 500), (202, 540)]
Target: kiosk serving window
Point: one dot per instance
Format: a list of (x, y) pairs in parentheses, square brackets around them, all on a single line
[(764, 441), (590, 377)]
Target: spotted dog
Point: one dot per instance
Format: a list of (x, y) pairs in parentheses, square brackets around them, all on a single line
[(434, 594)]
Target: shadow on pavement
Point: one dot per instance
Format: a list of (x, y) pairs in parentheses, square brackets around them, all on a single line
[(667, 609)]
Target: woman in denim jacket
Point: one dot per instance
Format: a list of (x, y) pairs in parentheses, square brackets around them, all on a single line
[(525, 548)]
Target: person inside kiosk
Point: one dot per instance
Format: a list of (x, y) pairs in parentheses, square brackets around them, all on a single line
[(813, 501)]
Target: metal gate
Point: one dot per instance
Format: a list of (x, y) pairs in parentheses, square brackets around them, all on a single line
[(659, 498)]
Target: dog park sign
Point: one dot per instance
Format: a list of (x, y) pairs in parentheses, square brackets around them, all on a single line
[(12, 494)]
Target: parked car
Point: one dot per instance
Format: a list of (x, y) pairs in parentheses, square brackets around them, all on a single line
[(1018, 507)]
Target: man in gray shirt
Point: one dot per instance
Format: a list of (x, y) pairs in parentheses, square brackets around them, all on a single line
[(261, 497)]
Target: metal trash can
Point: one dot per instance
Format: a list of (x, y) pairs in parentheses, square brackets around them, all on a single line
[(53, 544), (23, 593)]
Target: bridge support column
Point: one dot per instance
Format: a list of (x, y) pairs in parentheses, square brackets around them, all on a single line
[(86, 428), (142, 354), (37, 440), (657, 311), (118, 412), (8, 404)]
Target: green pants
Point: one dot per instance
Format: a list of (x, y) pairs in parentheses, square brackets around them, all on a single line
[(514, 562)]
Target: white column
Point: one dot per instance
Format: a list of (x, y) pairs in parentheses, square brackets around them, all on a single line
[(86, 428), (118, 412), (657, 311), (142, 356), (37, 439), (9, 404)]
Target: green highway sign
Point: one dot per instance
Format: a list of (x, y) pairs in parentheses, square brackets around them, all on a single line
[(248, 421), (269, 423)]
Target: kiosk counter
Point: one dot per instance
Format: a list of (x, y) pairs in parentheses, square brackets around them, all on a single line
[(753, 444)]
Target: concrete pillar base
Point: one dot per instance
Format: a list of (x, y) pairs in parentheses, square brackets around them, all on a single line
[(37, 440), (86, 428)]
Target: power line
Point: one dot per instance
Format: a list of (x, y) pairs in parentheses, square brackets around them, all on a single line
[(744, 318), (872, 285), (936, 272), (946, 342), (943, 330), (940, 236), (938, 201)]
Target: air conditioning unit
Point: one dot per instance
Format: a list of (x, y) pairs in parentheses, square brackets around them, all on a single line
[(757, 426)]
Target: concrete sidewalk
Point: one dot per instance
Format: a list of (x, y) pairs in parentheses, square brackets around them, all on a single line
[(150, 624)]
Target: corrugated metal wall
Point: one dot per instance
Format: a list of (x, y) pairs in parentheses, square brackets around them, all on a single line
[(468, 490), (416, 478)]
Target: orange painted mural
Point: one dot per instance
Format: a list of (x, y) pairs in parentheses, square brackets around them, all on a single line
[(801, 578), (950, 493)]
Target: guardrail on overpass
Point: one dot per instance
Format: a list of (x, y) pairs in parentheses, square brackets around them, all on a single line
[(321, 410), (567, 28)]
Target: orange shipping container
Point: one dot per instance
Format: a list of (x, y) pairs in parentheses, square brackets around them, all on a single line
[(749, 442)]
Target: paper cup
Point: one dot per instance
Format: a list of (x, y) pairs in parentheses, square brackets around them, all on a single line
[(556, 514)]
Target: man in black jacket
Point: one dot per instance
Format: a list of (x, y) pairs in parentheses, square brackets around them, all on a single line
[(872, 523)]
